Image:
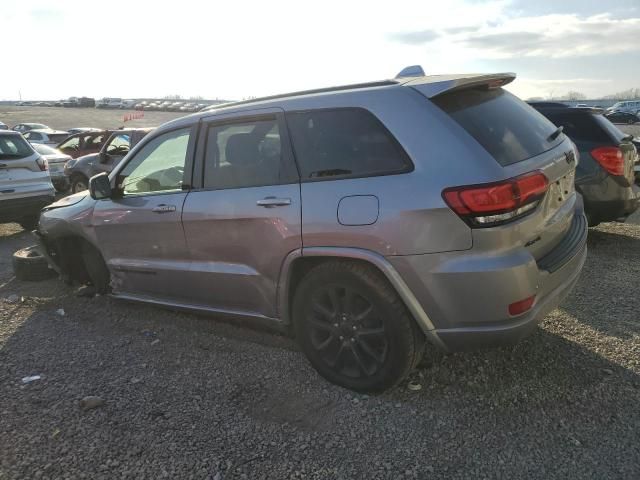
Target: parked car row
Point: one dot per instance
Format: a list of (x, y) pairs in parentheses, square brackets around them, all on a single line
[(171, 106)]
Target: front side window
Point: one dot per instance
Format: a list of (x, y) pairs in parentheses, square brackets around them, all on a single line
[(246, 154), (119, 144), (71, 144), (158, 166), (344, 142)]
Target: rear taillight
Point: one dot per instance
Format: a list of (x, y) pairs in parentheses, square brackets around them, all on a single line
[(518, 308), (495, 203), (609, 158), (43, 164)]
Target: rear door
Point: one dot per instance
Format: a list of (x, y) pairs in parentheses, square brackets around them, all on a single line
[(140, 231), (245, 217)]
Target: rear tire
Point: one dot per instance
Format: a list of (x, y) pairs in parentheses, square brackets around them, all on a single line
[(353, 327), (30, 265)]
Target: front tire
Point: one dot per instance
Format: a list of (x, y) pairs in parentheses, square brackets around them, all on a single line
[(353, 327), (79, 183)]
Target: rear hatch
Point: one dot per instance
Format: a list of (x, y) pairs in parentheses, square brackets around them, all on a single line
[(22, 170), (624, 143), (526, 145), (592, 132)]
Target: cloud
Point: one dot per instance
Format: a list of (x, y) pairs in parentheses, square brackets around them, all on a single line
[(415, 38), (552, 36)]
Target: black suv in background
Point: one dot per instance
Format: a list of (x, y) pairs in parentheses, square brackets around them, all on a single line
[(605, 172)]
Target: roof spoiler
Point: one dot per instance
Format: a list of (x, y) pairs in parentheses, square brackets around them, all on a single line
[(435, 85)]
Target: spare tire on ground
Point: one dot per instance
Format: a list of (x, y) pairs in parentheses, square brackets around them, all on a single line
[(29, 264)]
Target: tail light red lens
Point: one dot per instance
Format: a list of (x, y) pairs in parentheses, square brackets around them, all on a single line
[(43, 164), (494, 203), (609, 158), (517, 308)]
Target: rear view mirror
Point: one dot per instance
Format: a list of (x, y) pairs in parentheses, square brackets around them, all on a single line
[(100, 186), (103, 157)]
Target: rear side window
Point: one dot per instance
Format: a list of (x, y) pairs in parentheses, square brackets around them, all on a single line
[(247, 153), (33, 136), (509, 129), (348, 142), (14, 147), (581, 126)]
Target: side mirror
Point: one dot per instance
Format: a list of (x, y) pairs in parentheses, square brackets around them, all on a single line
[(100, 186)]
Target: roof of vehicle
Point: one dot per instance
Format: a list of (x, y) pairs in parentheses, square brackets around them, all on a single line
[(48, 131), (430, 85), (10, 132)]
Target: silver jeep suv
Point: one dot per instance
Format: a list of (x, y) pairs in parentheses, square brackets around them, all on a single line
[(369, 218)]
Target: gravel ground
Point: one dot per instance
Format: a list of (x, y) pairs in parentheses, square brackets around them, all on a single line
[(187, 396)]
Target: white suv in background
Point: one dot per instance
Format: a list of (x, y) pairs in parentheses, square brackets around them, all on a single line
[(107, 102), (25, 184)]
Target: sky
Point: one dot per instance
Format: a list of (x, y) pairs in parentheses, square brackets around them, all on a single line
[(242, 48)]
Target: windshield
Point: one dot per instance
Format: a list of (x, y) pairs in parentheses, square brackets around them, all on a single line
[(13, 147), (45, 149)]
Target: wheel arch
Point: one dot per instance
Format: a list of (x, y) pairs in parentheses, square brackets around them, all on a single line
[(301, 261)]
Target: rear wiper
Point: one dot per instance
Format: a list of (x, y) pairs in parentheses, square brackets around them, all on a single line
[(555, 134)]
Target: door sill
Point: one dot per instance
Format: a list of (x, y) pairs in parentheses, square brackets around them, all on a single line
[(192, 307)]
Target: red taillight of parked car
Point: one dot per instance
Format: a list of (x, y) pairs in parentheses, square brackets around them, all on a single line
[(609, 158), (496, 203), (521, 306), (43, 164)]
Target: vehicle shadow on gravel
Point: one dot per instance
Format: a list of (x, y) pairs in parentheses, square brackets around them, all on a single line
[(606, 296), (211, 388)]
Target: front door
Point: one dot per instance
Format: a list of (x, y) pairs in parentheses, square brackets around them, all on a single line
[(246, 216), (140, 233)]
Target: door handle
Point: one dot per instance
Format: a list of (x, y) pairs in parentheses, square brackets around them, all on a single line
[(162, 208), (269, 202)]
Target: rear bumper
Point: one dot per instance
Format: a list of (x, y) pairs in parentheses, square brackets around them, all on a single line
[(18, 208), (467, 295), (608, 200)]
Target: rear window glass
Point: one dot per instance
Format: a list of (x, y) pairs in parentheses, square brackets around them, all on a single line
[(509, 129), (14, 146), (582, 126), (344, 142), (57, 137), (615, 133)]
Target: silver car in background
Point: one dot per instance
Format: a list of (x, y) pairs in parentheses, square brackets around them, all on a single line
[(25, 184), (56, 160), (368, 218)]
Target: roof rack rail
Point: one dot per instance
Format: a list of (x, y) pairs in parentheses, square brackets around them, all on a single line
[(354, 86)]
